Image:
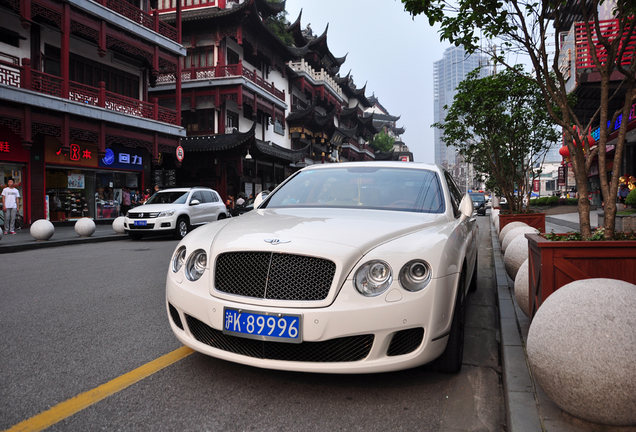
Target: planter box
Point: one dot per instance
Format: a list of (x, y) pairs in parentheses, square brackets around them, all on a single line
[(535, 220), (552, 264)]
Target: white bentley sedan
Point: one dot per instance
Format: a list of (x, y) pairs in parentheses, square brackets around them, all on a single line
[(344, 268)]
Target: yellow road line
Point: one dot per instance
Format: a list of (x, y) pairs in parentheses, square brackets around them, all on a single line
[(71, 406)]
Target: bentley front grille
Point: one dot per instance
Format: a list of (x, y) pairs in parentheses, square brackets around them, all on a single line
[(274, 276), (345, 349)]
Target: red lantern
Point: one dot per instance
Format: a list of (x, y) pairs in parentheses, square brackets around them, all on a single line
[(564, 152)]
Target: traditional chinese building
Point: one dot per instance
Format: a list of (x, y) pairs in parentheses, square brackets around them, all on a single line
[(257, 108), (77, 124)]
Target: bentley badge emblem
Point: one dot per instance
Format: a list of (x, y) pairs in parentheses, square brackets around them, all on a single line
[(274, 242)]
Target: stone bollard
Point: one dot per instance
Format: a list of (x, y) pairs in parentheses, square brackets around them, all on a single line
[(508, 227), (516, 254), (118, 225), (582, 350), (522, 288), (514, 233), (42, 229), (85, 227)]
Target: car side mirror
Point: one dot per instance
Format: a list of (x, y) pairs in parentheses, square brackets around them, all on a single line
[(466, 207), (259, 198), (195, 202)]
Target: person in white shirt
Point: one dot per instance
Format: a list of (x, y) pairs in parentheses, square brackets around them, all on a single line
[(10, 204)]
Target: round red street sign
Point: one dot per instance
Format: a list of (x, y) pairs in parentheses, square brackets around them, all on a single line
[(180, 153)]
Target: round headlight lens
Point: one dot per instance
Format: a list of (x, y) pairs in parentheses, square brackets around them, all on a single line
[(415, 275), (178, 259), (195, 266), (373, 278)]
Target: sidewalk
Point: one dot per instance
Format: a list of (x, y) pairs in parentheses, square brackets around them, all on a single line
[(528, 408), (64, 235)]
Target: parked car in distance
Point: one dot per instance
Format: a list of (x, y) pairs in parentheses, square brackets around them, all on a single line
[(357, 267), (175, 211), (479, 202)]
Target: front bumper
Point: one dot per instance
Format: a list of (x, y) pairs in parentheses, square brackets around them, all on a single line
[(355, 334), (152, 225)]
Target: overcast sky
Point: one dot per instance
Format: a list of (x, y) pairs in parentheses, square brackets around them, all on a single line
[(387, 49)]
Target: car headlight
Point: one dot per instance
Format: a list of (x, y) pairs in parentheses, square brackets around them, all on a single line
[(195, 266), (415, 275), (373, 278), (166, 213), (178, 259)]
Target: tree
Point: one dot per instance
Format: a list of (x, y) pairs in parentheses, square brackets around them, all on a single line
[(500, 125), (534, 28), (278, 25), (382, 142)]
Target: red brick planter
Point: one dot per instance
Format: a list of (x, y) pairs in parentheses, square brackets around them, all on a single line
[(535, 220), (552, 264)]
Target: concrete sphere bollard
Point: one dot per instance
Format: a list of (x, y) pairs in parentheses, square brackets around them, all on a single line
[(522, 288), (85, 227), (508, 227), (516, 254), (515, 232), (42, 229), (118, 225), (582, 350)]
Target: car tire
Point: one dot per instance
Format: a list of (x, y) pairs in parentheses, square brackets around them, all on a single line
[(450, 361), (182, 228), (473, 282), (135, 236)]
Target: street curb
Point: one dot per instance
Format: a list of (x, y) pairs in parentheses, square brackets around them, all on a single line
[(41, 244), (522, 411)]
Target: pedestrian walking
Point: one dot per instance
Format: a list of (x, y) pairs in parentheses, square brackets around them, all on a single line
[(10, 205), (125, 201)]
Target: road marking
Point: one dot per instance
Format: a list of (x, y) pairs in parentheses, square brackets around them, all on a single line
[(77, 403)]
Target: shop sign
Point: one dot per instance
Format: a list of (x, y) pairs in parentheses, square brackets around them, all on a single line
[(11, 147), (123, 158), (80, 153), (561, 177)]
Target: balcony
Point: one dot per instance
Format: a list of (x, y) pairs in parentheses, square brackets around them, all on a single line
[(15, 75), (609, 29), (318, 78), (151, 22), (219, 72)]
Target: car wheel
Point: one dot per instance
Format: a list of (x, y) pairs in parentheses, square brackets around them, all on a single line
[(182, 228), (473, 282), (451, 359), (135, 236)]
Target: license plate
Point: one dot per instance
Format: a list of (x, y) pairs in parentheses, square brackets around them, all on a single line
[(262, 325), (141, 223)]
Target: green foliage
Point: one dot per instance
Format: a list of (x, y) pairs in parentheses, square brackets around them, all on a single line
[(552, 201), (500, 125), (631, 198), (382, 142), (597, 235), (278, 25)]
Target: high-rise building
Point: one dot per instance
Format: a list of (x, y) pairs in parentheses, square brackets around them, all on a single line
[(447, 74)]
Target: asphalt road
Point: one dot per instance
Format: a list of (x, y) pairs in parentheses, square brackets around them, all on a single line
[(75, 318)]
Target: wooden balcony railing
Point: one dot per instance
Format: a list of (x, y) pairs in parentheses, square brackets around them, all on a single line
[(29, 79), (609, 29), (150, 21), (226, 71)]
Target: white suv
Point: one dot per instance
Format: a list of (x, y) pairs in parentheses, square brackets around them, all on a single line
[(175, 211)]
